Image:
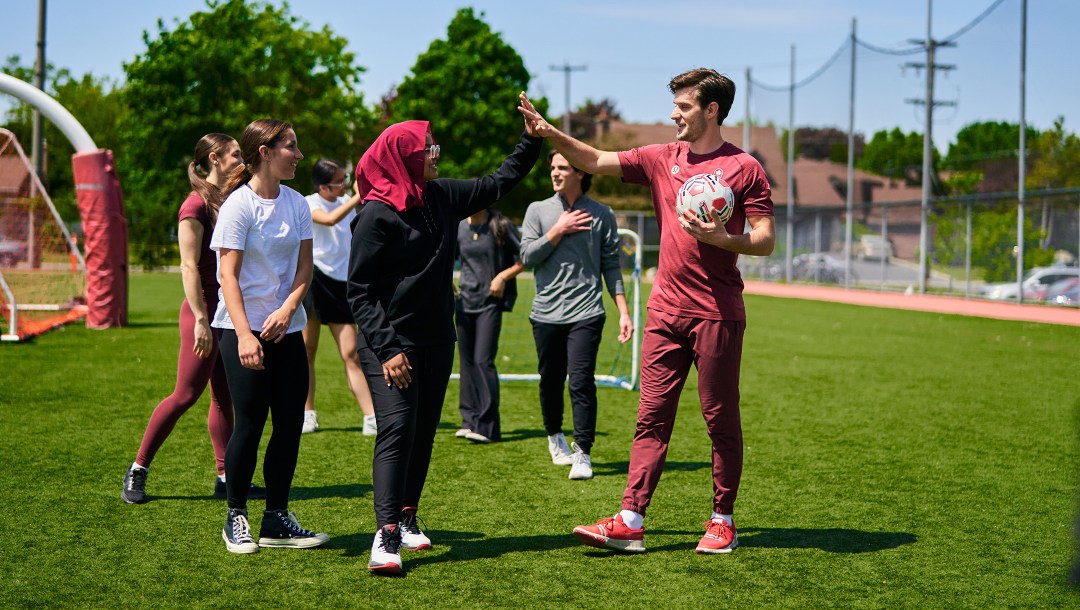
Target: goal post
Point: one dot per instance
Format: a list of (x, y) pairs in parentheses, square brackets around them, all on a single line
[(617, 364), (42, 272)]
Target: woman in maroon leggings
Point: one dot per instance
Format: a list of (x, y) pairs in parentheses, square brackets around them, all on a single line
[(216, 156)]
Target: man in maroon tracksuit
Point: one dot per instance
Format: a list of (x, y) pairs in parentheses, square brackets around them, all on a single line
[(696, 313)]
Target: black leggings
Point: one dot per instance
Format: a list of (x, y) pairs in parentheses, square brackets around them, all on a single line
[(279, 390), (407, 420)]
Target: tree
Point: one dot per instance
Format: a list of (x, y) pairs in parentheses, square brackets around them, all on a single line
[(1056, 159), (826, 143), (584, 119), (896, 155), (95, 103), (993, 237), (985, 140), (467, 87), (218, 71)]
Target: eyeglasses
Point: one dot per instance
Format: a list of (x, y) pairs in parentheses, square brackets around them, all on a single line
[(337, 185), (433, 151)]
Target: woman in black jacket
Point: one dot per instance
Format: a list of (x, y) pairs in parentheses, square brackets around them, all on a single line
[(401, 295)]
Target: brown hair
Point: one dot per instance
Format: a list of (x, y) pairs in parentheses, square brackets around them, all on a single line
[(263, 132), (501, 227), (711, 87), (199, 169), (586, 179)]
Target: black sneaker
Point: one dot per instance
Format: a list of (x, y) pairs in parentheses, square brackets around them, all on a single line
[(237, 532), (221, 492), (134, 486), (281, 529)]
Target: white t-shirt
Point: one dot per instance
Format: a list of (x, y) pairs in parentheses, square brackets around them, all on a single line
[(269, 231), (331, 243)]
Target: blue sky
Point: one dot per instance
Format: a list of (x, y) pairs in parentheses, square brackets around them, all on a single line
[(631, 49)]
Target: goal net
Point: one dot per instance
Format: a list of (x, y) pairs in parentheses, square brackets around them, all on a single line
[(42, 273), (616, 363)]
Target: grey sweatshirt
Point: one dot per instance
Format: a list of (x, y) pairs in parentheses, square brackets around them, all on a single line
[(568, 275)]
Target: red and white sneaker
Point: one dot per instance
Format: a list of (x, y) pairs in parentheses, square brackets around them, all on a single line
[(719, 537), (612, 533)]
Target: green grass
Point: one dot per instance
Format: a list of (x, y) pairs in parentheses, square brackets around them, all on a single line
[(893, 459)]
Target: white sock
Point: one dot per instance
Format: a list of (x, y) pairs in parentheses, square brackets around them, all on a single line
[(138, 465), (310, 413), (221, 478), (631, 519), (726, 518)]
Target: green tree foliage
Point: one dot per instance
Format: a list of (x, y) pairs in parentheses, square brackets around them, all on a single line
[(95, 103), (1056, 159), (217, 72), (993, 237), (981, 141), (466, 86), (895, 154)]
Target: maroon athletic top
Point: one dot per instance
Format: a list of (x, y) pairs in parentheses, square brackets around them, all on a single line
[(194, 207)]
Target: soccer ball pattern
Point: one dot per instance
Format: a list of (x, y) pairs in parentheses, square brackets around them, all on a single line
[(703, 193)]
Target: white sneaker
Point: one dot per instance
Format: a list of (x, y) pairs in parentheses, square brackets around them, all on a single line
[(560, 452), (582, 467), (412, 539), (462, 433), (386, 551), (311, 422), (476, 437), (370, 427)]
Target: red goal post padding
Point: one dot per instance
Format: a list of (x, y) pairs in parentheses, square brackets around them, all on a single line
[(105, 237)]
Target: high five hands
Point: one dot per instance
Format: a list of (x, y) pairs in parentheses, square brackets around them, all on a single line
[(534, 122)]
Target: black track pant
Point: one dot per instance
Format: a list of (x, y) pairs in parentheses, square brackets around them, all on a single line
[(407, 420), (569, 351), (478, 342)]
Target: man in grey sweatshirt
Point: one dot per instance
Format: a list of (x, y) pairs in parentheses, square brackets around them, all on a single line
[(571, 241)]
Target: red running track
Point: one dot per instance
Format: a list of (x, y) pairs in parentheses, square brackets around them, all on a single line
[(921, 302)]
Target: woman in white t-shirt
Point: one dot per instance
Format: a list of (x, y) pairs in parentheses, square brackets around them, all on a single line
[(326, 303), (263, 244)]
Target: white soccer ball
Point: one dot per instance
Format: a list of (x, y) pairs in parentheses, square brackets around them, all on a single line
[(702, 194)]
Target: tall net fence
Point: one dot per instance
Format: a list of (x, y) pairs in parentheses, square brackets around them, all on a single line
[(42, 274), (972, 241)]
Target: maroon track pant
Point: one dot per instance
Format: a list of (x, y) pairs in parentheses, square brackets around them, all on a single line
[(670, 345)]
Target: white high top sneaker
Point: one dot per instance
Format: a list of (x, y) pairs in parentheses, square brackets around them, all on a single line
[(386, 551), (560, 452)]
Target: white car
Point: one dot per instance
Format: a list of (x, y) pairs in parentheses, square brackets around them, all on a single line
[(1036, 281), (873, 247)]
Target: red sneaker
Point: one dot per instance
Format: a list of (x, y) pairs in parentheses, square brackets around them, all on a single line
[(719, 538), (612, 534)]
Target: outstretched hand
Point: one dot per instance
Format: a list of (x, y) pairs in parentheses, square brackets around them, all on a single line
[(534, 122)]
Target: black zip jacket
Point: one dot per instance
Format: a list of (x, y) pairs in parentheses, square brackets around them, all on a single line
[(401, 264)]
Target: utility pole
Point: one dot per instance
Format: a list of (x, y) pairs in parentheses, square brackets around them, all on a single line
[(1020, 187), (37, 148), (566, 69), (928, 146), (789, 242)]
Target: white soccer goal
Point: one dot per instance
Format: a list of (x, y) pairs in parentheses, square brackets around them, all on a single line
[(42, 272), (617, 364)]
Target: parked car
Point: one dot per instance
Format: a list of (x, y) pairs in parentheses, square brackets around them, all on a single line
[(873, 247), (1036, 281), (818, 267), (12, 252), (1063, 292)]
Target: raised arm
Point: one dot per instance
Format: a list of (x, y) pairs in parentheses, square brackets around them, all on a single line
[(579, 154), (468, 197)]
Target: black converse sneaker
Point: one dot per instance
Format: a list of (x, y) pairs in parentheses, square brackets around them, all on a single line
[(221, 492), (134, 486), (237, 532), (281, 529), (386, 551)]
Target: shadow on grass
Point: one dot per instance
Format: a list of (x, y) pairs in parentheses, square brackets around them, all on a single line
[(458, 546), (612, 468), (148, 324), (352, 490), (832, 540)]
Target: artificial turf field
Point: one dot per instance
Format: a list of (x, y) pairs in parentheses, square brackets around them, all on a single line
[(894, 459)]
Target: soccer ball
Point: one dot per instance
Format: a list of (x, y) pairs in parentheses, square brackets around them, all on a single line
[(703, 193)]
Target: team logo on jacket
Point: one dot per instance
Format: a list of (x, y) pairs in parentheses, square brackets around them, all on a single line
[(674, 169)]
